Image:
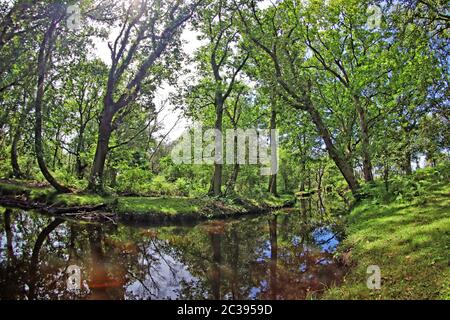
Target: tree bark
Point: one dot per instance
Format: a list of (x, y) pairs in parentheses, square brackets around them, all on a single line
[(343, 166), (407, 162), (79, 166), (273, 125), (216, 183), (232, 182), (365, 141), (105, 129), (17, 173)]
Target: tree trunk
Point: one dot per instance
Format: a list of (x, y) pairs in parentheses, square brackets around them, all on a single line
[(79, 166), (365, 142), (55, 152), (96, 179), (386, 177), (407, 161), (343, 166), (233, 178), (17, 173), (38, 145), (273, 125), (216, 183)]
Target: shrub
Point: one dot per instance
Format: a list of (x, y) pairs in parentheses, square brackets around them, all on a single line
[(160, 186), (133, 180)]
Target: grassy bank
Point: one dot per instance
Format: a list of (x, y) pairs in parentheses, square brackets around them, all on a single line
[(407, 234), (144, 208)]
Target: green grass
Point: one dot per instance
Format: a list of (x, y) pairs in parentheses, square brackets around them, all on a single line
[(142, 205), (408, 240)]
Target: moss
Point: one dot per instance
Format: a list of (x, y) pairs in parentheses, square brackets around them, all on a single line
[(408, 240), (82, 199), (279, 201), (168, 207)]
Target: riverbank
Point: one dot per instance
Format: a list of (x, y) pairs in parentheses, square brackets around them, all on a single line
[(156, 210), (408, 238)]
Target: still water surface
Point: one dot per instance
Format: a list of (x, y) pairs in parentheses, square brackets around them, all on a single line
[(284, 256)]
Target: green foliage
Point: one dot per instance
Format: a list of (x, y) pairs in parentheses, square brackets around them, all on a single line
[(133, 180), (413, 188)]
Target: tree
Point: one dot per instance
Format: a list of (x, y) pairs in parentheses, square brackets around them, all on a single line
[(272, 32), (148, 32), (225, 63)]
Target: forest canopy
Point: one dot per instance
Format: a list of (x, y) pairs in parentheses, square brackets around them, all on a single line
[(357, 91)]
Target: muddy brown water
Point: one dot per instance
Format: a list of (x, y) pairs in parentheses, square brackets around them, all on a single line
[(288, 255)]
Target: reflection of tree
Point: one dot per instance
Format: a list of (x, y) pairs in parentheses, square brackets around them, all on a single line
[(105, 279), (35, 255), (235, 264), (9, 236), (10, 274), (273, 257), (215, 266)]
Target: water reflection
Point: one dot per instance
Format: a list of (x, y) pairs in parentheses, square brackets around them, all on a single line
[(283, 256)]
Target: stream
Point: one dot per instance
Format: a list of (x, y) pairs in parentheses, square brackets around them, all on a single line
[(286, 255)]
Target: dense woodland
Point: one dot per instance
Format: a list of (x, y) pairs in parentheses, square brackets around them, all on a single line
[(356, 96)]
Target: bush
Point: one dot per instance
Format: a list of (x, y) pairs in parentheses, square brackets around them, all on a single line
[(160, 186), (133, 180), (182, 187)]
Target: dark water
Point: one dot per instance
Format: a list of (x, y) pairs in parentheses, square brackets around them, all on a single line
[(283, 256)]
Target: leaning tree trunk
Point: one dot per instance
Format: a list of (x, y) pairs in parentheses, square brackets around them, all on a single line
[(343, 166), (365, 142), (38, 145)]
